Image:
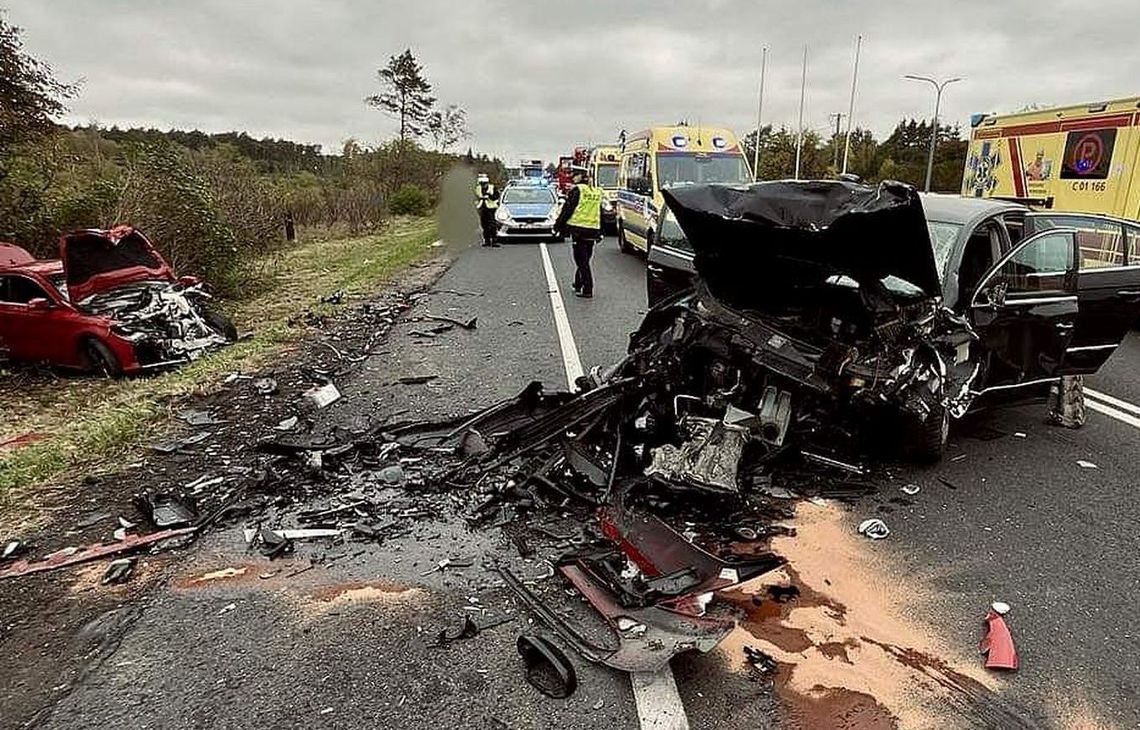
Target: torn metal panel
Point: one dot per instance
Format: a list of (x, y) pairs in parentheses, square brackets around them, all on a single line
[(708, 455), (75, 556)]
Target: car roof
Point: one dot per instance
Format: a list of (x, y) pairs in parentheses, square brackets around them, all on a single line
[(963, 211), (43, 267)]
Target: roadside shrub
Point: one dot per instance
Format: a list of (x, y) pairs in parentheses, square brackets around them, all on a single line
[(410, 200)]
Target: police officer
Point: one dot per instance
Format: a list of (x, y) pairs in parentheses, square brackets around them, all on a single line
[(486, 202), (581, 218)]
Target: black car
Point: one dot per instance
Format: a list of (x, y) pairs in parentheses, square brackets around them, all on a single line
[(849, 296)]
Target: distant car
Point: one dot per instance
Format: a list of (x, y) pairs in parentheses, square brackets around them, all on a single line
[(109, 304), (929, 302), (527, 212)]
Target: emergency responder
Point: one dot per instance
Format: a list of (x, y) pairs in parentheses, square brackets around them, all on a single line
[(581, 219), (486, 202)]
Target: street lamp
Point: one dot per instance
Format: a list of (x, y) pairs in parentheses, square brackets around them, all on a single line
[(938, 87)]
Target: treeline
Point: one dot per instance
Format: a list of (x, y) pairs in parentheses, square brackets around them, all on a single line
[(901, 156)]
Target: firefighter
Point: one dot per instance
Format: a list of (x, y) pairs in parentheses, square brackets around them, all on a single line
[(486, 202), (581, 218)]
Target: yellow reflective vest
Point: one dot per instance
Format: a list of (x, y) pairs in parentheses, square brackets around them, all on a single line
[(588, 212), (485, 198)]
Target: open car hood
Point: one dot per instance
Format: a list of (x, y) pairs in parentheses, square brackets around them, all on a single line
[(754, 242), (95, 261)]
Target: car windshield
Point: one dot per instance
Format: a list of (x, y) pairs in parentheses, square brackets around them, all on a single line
[(528, 195), (607, 176), (943, 236), (695, 168)]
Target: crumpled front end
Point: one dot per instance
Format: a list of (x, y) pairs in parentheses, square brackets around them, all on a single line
[(167, 324)]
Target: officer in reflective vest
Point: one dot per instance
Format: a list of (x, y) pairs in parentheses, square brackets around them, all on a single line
[(486, 202), (581, 218)]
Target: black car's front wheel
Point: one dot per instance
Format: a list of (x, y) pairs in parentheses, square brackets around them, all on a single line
[(100, 360), (928, 438), (220, 323)]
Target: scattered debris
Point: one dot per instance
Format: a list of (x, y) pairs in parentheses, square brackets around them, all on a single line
[(91, 519), (13, 548), (416, 379), (265, 386), (118, 571), (335, 298), (547, 668), (288, 424), (172, 445), (911, 489), (1019, 434), (468, 324), (321, 396), (1082, 463), (22, 440), (195, 417), (468, 630), (997, 646), (874, 529), (74, 556), (449, 563), (760, 661), (164, 510), (227, 608)]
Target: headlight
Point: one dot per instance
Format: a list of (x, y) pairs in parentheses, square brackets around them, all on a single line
[(502, 215)]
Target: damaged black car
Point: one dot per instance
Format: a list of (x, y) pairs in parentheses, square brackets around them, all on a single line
[(822, 312)]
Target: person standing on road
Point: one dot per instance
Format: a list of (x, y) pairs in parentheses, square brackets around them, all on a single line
[(486, 202), (581, 218)]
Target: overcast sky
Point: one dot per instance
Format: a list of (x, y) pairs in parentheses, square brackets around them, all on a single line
[(538, 77)]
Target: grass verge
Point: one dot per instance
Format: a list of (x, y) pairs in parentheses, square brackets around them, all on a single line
[(86, 421)]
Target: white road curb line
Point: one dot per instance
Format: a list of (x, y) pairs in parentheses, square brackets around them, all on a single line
[(1110, 400), (1111, 412), (659, 706)]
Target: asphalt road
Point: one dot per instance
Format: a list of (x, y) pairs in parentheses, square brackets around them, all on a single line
[(346, 643)]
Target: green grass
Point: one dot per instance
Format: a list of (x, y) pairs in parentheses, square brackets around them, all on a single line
[(88, 422)]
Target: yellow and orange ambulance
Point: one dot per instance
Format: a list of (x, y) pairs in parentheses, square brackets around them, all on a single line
[(1076, 159), (664, 156)]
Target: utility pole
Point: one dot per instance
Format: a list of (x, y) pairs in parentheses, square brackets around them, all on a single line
[(851, 106), (800, 132), (838, 117), (938, 87), (759, 111)]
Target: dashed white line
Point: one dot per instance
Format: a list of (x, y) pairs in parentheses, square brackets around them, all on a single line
[(659, 706)]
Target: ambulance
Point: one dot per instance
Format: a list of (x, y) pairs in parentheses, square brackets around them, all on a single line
[(604, 164), (1073, 159), (663, 156)]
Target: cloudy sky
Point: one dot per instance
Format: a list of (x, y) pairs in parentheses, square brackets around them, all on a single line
[(539, 77)]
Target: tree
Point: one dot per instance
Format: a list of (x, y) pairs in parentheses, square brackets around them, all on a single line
[(29, 93), (447, 126), (406, 95)]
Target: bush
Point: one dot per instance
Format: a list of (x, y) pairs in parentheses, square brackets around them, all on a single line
[(410, 200)]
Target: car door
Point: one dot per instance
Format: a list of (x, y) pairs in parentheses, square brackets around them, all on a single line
[(31, 333), (1025, 309), (1108, 287), (669, 266)]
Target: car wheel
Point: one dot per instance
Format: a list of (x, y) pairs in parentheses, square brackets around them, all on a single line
[(622, 243), (100, 360), (929, 437), (220, 323)]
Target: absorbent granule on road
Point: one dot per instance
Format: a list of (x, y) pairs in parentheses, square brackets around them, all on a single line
[(843, 648)]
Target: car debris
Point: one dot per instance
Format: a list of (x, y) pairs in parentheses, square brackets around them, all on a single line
[(760, 661), (195, 417), (1085, 464), (118, 571), (910, 489), (547, 668), (164, 509), (997, 645), (171, 445), (265, 386), (874, 529), (468, 630), (74, 556), (287, 424), (11, 550), (321, 396)]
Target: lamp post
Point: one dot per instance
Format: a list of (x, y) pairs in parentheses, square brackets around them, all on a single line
[(938, 87)]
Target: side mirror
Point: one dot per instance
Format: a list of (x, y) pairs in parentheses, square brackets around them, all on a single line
[(39, 304), (995, 295)]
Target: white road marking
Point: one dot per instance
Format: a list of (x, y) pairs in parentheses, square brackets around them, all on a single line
[(659, 706), (1110, 400), (570, 358), (1111, 412)]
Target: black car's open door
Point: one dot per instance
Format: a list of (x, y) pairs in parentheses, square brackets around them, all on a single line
[(669, 265), (1025, 309), (1108, 287)]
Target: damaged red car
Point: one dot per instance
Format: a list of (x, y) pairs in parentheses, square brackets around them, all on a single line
[(109, 304)]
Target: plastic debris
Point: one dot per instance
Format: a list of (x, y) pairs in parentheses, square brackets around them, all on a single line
[(288, 424), (874, 528), (911, 489), (1082, 463), (265, 386), (118, 571), (322, 396), (195, 417), (1000, 607), (392, 474), (74, 556), (997, 646), (547, 668)]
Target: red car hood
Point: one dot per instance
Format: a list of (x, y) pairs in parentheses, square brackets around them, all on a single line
[(95, 261), (13, 255)]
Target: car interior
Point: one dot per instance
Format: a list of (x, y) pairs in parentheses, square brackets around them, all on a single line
[(981, 252), (19, 290)]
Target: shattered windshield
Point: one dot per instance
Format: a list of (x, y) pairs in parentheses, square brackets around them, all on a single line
[(690, 168), (528, 195), (607, 176), (943, 236)]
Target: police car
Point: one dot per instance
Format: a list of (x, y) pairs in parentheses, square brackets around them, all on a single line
[(527, 210)]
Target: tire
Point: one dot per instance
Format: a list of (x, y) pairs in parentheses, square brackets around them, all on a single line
[(622, 243), (99, 358), (929, 437), (220, 323)]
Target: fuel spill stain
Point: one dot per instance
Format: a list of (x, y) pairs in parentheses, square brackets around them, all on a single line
[(846, 656)]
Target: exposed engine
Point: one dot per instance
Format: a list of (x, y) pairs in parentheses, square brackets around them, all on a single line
[(166, 322)]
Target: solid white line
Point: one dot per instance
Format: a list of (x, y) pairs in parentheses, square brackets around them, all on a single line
[(1121, 404), (1111, 412), (570, 359), (659, 706)]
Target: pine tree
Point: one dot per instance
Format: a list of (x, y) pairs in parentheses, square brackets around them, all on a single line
[(406, 95)]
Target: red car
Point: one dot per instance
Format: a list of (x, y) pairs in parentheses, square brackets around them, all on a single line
[(109, 304)]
